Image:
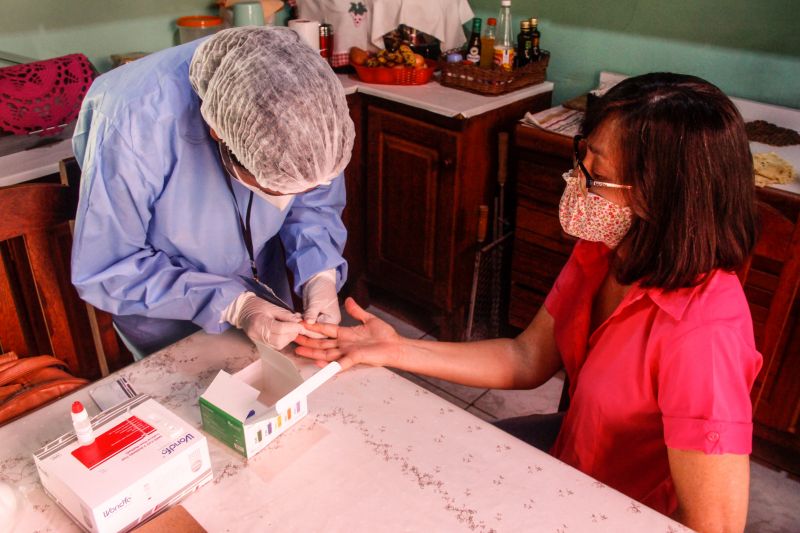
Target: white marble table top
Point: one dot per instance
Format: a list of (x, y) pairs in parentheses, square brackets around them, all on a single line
[(437, 98), (375, 452)]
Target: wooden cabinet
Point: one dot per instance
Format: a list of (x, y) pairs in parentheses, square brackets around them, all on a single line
[(541, 249), (354, 214), (411, 192), (425, 177)]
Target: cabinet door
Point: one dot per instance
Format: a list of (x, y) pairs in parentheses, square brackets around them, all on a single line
[(354, 214), (411, 208)]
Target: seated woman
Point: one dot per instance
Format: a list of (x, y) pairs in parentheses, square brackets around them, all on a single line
[(647, 317)]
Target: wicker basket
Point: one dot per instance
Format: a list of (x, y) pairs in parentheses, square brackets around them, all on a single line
[(494, 81), (397, 76)]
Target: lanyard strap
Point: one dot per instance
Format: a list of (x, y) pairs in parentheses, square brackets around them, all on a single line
[(247, 235)]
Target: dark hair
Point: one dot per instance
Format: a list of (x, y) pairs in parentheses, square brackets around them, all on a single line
[(684, 149)]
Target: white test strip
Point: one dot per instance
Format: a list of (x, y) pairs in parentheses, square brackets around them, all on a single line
[(307, 387)]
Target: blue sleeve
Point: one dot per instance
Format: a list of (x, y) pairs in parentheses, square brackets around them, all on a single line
[(114, 267), (314, 235)]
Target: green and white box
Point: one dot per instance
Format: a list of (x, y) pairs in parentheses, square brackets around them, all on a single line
[(249, 409)]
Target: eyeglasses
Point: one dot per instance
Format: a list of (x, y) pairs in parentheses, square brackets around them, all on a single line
[(588, 181)]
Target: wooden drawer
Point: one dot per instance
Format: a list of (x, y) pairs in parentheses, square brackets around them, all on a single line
[(535, 180), (539, 224), (536, 267), (524, 305)]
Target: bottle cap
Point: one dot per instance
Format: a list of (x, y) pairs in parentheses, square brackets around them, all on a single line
[(505, 3), (534, 22), (492, 21), (524, 24), (77, 407)]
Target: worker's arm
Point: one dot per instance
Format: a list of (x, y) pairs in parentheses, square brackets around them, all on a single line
[(521, 363), (114, 266)]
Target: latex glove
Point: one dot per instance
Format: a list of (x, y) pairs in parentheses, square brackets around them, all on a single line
[(320, 301), (262, 321)]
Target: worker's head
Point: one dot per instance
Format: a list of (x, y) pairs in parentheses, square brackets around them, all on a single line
[(679, 147), (276, 105)]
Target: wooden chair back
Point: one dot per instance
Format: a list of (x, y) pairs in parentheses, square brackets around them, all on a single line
[(40, 310), (778, 248)]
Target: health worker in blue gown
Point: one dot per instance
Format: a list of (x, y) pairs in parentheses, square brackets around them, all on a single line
[(204, 166)]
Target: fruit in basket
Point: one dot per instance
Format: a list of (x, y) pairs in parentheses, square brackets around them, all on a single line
[(402, 57), (358, 56), (407, 55)]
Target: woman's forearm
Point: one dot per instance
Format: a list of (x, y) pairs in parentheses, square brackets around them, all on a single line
[(496, 364)]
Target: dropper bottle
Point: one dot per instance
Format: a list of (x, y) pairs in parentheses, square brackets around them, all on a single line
[(82, 425)]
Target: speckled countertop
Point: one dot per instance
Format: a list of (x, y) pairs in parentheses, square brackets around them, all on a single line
[(375, 451)]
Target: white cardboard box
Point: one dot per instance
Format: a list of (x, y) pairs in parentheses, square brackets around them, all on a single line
[(143, 460), (249, 409)]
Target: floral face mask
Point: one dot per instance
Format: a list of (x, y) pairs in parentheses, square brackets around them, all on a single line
[(592, 217)]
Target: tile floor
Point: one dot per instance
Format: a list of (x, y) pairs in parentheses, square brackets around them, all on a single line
[(774, 497)]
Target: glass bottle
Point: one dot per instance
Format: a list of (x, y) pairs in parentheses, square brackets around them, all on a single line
[(536, 52), (474, 46), (504, 43), (524, 43), (487, 43)]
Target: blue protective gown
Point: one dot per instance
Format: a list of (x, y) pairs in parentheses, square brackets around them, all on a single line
[(157, 239)]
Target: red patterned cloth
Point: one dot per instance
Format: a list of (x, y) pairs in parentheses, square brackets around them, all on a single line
[(43, 96)]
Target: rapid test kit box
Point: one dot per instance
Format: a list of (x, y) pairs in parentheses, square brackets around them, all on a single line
[(143, 460), (249, 409)]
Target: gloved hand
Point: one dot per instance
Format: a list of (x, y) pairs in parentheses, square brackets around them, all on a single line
[(320, 301), (262, 321)]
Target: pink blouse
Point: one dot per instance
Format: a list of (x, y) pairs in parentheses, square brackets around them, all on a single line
[(666, 369)]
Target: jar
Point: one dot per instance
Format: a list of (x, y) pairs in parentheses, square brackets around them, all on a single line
[(196, 26)]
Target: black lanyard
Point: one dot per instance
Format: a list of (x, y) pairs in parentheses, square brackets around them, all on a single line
[(246, 233)]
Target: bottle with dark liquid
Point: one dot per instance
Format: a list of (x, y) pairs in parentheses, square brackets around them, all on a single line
[(536, 52), (524, 43), (474, 45)]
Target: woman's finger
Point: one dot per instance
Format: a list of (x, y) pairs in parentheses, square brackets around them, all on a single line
[(323, 344), (329, 330), (317, 353), (356, 311), (312, 342)]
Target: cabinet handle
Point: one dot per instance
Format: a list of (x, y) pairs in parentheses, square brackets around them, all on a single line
[(448, 163)]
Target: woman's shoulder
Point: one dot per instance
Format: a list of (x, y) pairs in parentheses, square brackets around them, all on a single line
[(715, 306), (719, 297)]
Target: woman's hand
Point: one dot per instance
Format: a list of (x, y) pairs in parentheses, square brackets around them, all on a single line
[(373, 343)]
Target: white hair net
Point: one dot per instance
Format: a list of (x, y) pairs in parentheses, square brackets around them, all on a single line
[(276, 104)]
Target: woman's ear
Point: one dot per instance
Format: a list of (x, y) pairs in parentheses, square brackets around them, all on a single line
[(213, 134)]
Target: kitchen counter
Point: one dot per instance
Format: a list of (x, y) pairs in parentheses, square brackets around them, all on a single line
[(437, 98), (28, 157), (780, 116), (375, 452)]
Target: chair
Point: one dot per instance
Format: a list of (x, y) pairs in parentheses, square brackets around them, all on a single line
[(777, 252), (40, 310)]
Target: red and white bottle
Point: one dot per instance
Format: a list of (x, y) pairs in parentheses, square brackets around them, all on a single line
[(82, 425)]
